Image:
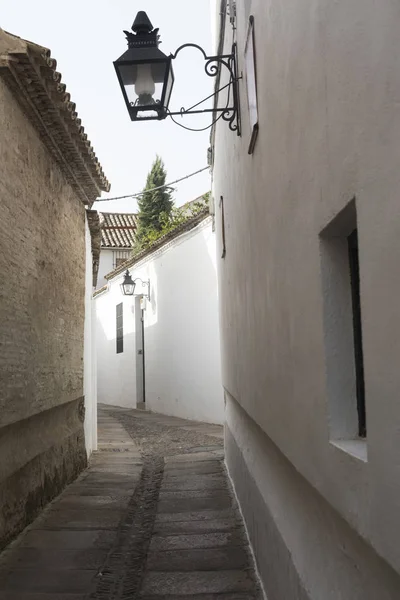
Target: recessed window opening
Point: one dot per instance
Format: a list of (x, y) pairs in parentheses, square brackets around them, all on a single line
[(221, 204), (120, 328), (357, 330), (340, 273), (119, 257)]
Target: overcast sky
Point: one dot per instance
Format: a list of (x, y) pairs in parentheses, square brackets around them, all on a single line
[(85, 37)]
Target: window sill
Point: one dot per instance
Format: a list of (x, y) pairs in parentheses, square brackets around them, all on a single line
[(356, 448)]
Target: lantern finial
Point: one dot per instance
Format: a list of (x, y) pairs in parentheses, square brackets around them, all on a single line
[(142, 23)]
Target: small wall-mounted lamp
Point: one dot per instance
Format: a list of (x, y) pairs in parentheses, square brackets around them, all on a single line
[(128, 286), (146, 77)]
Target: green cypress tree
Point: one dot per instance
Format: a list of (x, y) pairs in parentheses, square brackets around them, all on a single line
[(154, 206)]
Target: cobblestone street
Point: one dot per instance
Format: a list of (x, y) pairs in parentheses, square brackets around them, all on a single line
[(153, 517)]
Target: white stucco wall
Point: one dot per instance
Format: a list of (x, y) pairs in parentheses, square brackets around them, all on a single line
[(328, 90), (89, 373), (182, 348), (116, 373), (105, 266)]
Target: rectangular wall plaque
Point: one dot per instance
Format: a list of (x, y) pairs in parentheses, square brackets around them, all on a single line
[(251, 83)]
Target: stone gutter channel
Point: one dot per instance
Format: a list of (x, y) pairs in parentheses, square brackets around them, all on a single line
[(152, 518), (122, 573)]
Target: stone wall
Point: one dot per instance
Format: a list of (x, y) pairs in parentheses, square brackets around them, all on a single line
[(42, 267)]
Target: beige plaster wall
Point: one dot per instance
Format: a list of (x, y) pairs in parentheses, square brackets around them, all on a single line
[(42, 267), (328, 101)]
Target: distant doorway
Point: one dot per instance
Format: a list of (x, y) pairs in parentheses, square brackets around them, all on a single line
[(140, 354)]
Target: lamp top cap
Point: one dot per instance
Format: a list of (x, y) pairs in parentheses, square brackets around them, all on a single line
[(142, 23)]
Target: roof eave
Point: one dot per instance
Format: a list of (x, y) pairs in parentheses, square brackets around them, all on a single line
[(95, 236), (158, 244), (30, 73)]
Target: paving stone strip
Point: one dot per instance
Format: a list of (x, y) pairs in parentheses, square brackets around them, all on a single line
[(153, 518), (60, 555), (198, 547)]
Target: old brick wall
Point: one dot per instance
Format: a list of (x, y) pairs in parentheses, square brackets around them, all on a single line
[(42, 268)]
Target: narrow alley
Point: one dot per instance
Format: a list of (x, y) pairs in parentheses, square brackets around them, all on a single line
[(152, 517), (200, 217)]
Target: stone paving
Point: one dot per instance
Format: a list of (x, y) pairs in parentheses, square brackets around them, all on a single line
[(153, 518)]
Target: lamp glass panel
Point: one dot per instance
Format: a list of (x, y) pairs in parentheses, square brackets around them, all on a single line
[(128, 288), (169, 85), (143, 83)]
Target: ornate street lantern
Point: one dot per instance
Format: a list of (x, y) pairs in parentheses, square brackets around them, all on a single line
[(128, 286), (144, 72), (146, 78)]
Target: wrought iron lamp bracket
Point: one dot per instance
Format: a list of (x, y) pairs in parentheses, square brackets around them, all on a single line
[(212, 67), (144, 284)]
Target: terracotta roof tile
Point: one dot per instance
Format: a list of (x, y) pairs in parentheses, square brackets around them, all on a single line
[(118, 230), (162, 241)]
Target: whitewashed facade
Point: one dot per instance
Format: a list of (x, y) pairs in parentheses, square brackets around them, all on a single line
[(110, 258), (321, 502), (179, 341)]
